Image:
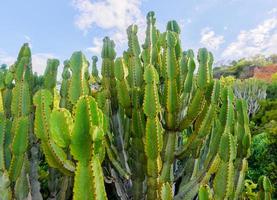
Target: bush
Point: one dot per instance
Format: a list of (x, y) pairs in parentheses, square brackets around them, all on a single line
[(264, 144), (271, 92), (263, 159)]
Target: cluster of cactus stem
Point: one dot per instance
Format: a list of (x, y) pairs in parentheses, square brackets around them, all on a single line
[(253, 91), (149, 126)]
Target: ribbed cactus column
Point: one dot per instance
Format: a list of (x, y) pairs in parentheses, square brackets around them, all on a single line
[(265, 188), (5, 157), (5, 128), (94, 78), (20, 110), (88, 149), (171, 104), (6, 86), (225, 173), (171, 100), (78, 85), (107, 71), (94, 71), (153, 132), (55, 155), (64, 102), (243, 136), (151, 47), (135, 112), (50, 75), (107, 99)]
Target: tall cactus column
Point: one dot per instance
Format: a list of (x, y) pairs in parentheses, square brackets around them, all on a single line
[(172, 98), (107, 99), (135, 111), (88, 149), (21, 125), (153, 132), (171, 104), (64, 101)]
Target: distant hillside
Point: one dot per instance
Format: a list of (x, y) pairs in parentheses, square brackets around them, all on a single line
[(264, 72), (259, 66)]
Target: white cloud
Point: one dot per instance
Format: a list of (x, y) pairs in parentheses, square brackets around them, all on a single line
[(97, 46), (28, 40), (210, 39), (6, 58), (272, 11), (107, 14), (39, 60), (182, 23), (110, 15), (259, 40)]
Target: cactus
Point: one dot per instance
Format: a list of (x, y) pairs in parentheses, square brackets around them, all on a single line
[(253, 91), (149, 126), (158, 94), (80, 135), (78, 82), (50, 75), (84, 139), (160, 79), (16, 126), (20, 112), (94, 71), (265, 188), (153, 132)]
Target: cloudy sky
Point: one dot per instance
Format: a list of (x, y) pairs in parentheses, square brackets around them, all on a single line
[(55, 28)]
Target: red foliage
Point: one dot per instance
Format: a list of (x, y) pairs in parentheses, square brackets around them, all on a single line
[(265, 72)]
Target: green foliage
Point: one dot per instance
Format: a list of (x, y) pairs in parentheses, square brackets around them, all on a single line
[(228, 80), (263, 148), (267, 113), (264, 143), (274, 77), (271, 92), (249, 190), (237, 68)]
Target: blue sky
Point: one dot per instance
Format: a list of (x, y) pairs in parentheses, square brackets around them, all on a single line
[(55, 28)]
